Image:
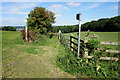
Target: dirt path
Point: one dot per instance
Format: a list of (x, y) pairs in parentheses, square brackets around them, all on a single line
[(24, 65)]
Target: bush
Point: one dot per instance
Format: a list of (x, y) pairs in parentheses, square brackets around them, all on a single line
[(93, 44)]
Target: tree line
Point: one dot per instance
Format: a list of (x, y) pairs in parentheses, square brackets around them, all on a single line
[(101, 25), (8, 28)]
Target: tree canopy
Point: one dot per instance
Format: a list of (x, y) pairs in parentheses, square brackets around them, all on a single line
[(104, 24), (40, 19)]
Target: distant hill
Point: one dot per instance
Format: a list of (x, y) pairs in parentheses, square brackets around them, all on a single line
[(101, 25), (104, 24)]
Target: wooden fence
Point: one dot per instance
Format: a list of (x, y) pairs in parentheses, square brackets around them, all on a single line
[(70, 44), (111, 43), (64, 40)]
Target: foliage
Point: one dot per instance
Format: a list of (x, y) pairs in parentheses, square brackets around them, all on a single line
[(92, 68), (83, 67), (102, 25), (8, 28), (40, 19), (65, 29), (51, 35), (93, 44)]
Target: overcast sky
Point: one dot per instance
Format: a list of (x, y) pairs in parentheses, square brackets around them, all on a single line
[(15, 13)]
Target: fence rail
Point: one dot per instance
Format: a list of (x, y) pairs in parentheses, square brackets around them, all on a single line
[(113, 51), (105, 58), (110, 43)]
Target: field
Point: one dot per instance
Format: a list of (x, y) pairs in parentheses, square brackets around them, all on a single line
[(102, 36), (36, 60)]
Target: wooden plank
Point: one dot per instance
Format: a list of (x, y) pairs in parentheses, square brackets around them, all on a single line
[(105, 58), (74, 43), (113, 51), (110, 43), (109, 58), (73, 48), (74, 37)]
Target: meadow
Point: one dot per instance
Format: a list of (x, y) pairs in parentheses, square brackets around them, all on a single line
[(37, 59), (102, 36)]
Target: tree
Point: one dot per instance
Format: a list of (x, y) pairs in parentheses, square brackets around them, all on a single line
[(40, 20), (9, 28)]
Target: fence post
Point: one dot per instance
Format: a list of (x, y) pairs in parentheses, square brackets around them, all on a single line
[(87, 36), (59, 35), (86, 53), (71, 44), (86, 40)]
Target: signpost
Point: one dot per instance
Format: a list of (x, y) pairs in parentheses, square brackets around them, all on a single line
[(78, 18)]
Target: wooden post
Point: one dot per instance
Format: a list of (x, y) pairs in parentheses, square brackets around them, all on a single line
[(87, 36), (59, 35), (71, 44), (86, 53), (86, 40)]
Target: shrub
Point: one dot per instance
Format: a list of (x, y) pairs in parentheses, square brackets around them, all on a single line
[(92, 44)]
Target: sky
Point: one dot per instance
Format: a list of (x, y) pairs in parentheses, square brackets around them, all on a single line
[(15, 13)]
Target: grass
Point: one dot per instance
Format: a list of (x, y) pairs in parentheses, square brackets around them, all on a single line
[(35, 60), (114, 47), (103, 36)]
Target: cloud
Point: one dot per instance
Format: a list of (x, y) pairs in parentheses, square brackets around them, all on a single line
[(91, 6), (74, 4), (17, 8), (57, 7)]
